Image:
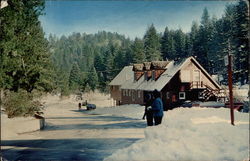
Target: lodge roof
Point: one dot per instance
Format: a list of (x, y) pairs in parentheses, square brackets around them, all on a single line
[(149, 85), (125, 74)]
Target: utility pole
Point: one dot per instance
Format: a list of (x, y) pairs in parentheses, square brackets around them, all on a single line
[(230, 83)]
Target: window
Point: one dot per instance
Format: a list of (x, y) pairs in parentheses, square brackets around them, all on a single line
[(182, 95), (133, 95), (145, 75), (196, 75), (124, 92), (201, 96), (153, 75), (129, 92), (167, 95), (139, 94)]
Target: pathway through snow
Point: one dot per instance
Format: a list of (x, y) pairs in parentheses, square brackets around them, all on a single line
[(74, 135)]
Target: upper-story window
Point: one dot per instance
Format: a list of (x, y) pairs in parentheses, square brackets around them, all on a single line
[(196, 75)]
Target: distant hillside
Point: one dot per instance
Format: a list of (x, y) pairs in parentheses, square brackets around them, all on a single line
[(88, 51)]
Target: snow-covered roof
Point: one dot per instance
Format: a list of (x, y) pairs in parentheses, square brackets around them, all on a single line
[(150, 85), (171, 69), (125, 74)]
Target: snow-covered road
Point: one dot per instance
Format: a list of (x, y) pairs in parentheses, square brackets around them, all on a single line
[(71, 134), (118, 133)]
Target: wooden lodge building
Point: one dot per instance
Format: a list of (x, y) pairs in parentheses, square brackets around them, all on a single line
[(177, 82)]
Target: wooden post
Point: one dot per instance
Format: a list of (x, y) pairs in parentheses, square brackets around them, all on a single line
[(230, 85)]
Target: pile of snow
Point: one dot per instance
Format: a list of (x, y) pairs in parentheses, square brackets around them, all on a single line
[(212, 104), (242, 92), (192, 134), (132, 111), (11, 128)]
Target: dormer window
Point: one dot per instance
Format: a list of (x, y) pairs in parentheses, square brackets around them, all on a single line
[(138, 71)]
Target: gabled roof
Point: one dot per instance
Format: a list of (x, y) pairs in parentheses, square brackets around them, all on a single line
[(171, 70), (206, 73), (125, 74)]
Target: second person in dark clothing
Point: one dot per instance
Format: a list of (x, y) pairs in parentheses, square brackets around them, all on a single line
[(148, 113), (157, 107)]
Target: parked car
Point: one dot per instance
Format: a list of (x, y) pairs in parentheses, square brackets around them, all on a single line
[(186, 104), (91, 106)]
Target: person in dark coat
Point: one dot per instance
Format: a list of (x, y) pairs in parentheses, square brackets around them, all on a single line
[(148, 112), (157, 107)]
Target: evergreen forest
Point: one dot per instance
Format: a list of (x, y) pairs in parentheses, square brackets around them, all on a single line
[(31, 63)]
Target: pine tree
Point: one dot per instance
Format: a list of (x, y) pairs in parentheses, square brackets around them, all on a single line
[(188, 46), (24, 57), (152, 44), (194, 38), (242, 37), (165, 44), (172, 46), (74, 77), (128, 56), (119, 60), (179, 38), (108, 66), (92, 79), (138, 51), (204, 36)]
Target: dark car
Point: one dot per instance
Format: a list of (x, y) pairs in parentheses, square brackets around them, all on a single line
[(91, 106), (186, 104)]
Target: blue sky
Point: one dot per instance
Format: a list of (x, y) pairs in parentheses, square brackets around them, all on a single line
[(130, 18)]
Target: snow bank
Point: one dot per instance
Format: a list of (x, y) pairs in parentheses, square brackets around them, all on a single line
[(132, 111), (212, 104), (242, 92), (192, 134), (12, 127)]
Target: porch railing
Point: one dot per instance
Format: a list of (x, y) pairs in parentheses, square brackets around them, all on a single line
[(197, 84)]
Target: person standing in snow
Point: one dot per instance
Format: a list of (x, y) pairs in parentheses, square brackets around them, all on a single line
[(148, 112), (157, 107)]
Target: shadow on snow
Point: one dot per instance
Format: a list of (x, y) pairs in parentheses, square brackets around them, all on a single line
[(64, 149)]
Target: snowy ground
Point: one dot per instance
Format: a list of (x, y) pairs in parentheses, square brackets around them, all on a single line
[(192, 134), (71, 134), (118, 133)]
